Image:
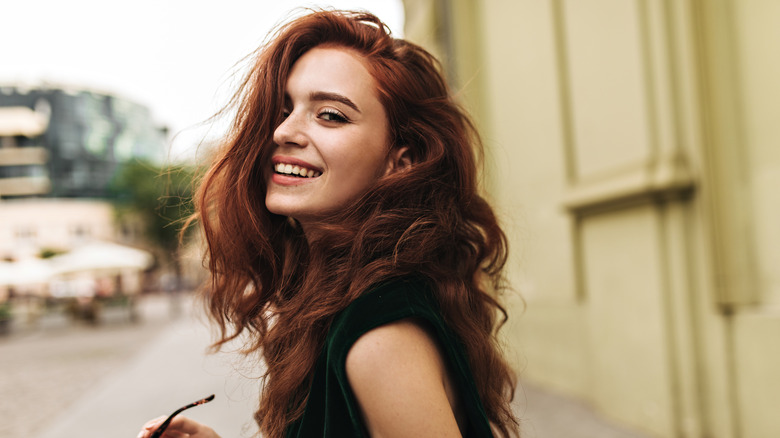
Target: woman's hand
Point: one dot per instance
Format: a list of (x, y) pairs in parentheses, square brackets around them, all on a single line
[(180, 427)]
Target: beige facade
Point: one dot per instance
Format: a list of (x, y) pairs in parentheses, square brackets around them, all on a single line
[(28, 226), (634, 154)]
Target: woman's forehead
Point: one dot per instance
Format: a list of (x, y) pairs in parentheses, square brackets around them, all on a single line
[(332, 70)]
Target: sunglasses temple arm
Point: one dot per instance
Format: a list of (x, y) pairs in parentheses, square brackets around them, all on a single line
[(159, 431)]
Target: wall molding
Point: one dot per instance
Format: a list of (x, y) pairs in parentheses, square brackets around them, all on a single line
[(661, 179)]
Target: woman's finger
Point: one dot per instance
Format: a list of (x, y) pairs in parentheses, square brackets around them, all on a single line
[(175, 434), (180, 427), (185, 425), (151, 424)]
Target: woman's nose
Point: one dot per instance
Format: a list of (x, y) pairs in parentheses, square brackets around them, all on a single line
[(291, 131)]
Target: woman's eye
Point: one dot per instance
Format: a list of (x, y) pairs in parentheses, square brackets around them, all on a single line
[(333, 116), (285, 113)]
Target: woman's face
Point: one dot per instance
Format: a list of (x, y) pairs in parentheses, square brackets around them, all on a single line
[(333, 142)]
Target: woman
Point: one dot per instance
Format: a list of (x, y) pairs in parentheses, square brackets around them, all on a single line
[(347, 236)]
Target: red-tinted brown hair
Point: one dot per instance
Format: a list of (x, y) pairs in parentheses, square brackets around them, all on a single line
[(429, 219)]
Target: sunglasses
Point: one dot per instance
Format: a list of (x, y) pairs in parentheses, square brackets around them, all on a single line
[(160, 430)]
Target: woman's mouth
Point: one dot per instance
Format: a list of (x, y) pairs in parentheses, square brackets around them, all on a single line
[(295, 170)]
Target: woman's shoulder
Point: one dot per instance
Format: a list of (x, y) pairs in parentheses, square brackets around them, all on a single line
[(397, 371), (394, 348)]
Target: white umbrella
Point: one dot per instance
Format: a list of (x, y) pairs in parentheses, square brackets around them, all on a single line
[(28, 271), (102, 256), (5, 273)]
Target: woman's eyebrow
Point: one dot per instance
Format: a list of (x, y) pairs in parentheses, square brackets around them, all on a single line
[(320, 96)]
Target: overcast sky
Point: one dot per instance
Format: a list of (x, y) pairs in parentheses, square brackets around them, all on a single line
[(174, 56)]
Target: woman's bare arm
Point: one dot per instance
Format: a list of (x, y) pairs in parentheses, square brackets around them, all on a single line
[(401, 383)]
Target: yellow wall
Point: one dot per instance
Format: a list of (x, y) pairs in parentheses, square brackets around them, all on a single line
[(635, 158)]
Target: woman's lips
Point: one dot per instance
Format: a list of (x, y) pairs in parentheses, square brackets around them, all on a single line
[(287, 180)]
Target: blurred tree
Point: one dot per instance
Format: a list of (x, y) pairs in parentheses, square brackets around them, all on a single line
[(159, 199), (46, 253)]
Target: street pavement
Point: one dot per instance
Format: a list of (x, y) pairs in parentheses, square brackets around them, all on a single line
[(545, 414), (173, 370)]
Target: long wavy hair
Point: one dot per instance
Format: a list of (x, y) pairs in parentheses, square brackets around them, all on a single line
[(271, 282)]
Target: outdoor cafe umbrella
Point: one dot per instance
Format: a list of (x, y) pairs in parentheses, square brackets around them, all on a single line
[(25, 272), (102, 256), (5, 273)]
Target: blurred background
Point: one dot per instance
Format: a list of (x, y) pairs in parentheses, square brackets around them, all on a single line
[(632, 152)]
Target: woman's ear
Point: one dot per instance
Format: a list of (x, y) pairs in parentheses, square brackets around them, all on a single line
[(399, 159)]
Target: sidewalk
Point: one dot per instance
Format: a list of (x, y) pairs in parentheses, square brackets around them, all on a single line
[(173, 371), (545, 414)]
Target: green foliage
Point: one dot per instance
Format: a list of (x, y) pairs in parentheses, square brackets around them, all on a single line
[(160, 198), (47, 253), (5, 310)]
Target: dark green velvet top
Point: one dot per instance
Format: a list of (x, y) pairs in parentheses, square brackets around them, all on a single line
[(332, 409)]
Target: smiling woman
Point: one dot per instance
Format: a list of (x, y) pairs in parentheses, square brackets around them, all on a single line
[(348, 239), (335, 127)]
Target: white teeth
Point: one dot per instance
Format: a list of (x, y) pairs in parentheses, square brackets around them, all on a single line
[(290, 169)]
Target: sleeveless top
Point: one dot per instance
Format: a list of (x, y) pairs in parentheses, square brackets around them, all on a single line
[(332, 409)]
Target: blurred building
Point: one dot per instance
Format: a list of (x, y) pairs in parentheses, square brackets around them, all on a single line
[(30, 226), (59, 149), (67, 143), (634, 152)]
